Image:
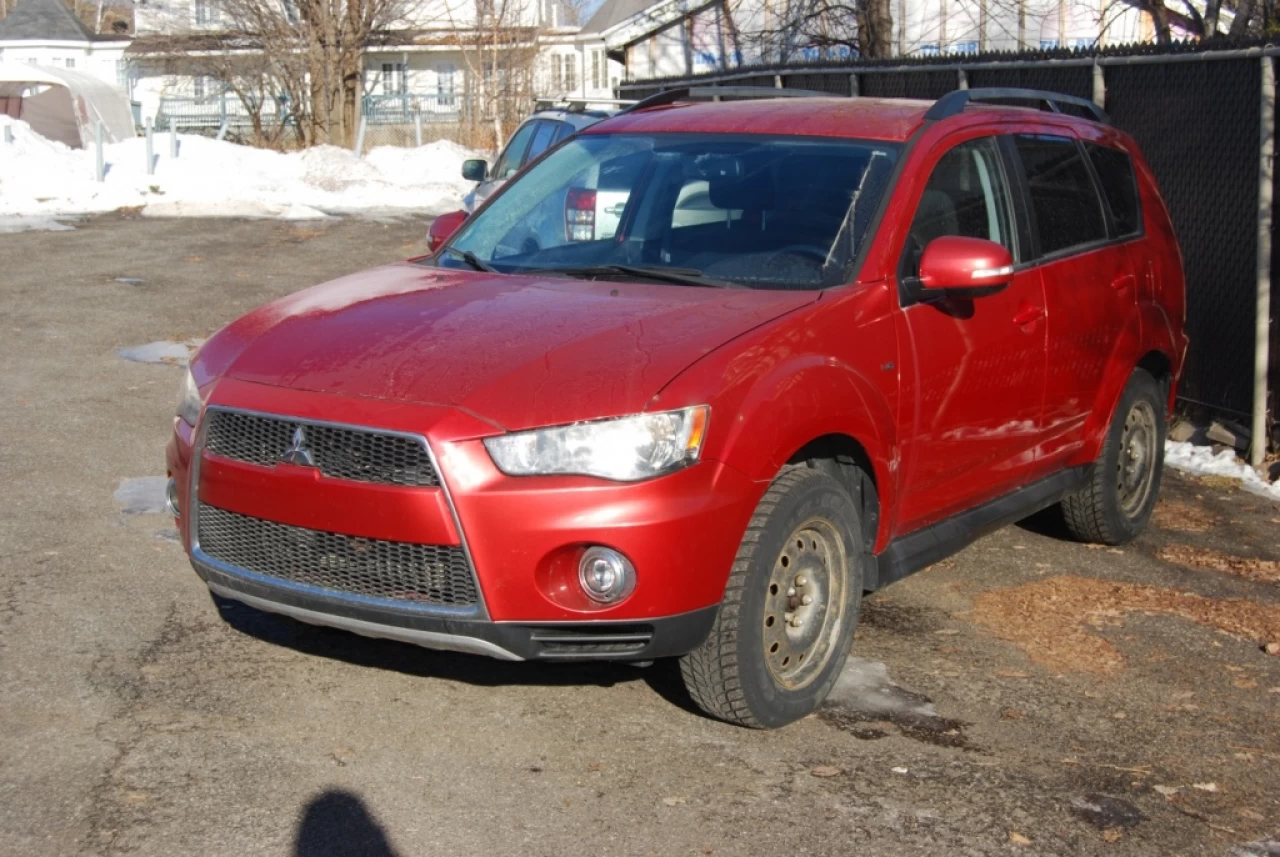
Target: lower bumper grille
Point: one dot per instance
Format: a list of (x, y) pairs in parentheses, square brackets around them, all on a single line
[(421, 574)]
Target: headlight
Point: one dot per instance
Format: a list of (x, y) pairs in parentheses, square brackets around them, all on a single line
[(189, 401), (625, 449)]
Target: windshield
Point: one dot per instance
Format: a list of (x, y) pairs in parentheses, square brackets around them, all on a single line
[(696, 209)]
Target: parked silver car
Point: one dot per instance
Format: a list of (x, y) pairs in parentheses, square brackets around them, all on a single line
[(550, 123)]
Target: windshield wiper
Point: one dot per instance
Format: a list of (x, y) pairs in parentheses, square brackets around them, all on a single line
[(473, 260), (681, 276)]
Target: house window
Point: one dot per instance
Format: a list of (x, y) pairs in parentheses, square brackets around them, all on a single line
[(570, 73), (197, 86), (557, 72), (291, 11), (445, 82), (122, 74), (1048, 44), (596, 76), (393, 79), (71, 63), (205, 12)]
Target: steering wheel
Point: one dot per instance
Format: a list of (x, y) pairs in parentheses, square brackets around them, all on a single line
[(803, 250)]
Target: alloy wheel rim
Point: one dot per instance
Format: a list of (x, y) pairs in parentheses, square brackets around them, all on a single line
[(804, 604), (1135, 469)]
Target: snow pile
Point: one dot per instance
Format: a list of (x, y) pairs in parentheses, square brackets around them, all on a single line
[(211, 178), (1204, 461)]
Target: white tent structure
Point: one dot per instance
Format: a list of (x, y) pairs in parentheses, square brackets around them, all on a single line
[(63, 104)]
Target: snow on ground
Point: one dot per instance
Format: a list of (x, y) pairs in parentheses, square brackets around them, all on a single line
[(41, 178), (1204, 461)]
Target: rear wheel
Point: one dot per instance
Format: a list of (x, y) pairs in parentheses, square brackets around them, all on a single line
[(789, 609), (1115, 504)]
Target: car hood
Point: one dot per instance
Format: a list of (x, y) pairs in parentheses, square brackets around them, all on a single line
[(518, 351)]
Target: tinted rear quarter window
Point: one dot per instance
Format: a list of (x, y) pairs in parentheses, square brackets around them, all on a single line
[(1064, 202), (1119, 186), (542, 139)]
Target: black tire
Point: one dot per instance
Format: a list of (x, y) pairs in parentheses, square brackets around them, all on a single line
[(1108, 509), (731, 676)]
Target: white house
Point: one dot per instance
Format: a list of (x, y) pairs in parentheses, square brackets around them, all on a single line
[(47, 33), (417, 66)]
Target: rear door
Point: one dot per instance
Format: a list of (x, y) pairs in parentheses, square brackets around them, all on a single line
[(1089, 283)]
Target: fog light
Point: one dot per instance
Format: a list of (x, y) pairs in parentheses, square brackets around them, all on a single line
[(171, 499), (606, 575)]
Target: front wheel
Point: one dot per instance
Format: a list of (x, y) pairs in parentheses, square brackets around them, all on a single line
[(1116, 503), (789, 609)]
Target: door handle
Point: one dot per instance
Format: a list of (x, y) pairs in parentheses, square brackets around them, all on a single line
[(1122, 282), (1028, 314)]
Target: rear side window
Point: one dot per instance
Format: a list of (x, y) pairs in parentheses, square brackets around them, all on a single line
[(1119, 186), (542, 138), (1064, 202), (563, 129), (513, 157)]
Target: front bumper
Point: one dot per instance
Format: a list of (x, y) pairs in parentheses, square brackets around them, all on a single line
[(511, 641), (680, 531)]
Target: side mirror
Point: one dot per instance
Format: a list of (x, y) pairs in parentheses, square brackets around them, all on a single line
[(475, 170), (972, 267), (443, 227)]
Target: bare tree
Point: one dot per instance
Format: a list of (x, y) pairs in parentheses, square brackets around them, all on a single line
[(499, 47), (788, 27), (305, 57)]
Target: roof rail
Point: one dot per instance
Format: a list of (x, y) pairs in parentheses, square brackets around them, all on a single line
[(671, 96), (576, 104), (953, 103)]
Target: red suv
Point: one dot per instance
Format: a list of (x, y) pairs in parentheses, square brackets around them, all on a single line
[(818, 345)]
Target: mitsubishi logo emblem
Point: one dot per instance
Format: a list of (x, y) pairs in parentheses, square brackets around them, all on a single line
[(296, 452)]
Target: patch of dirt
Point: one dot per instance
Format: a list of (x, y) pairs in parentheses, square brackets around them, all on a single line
[(1184, 518), (1265, 570), (1051, 619)]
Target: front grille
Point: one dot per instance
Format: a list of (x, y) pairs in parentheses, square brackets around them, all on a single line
[(343, 453), (423, 574)]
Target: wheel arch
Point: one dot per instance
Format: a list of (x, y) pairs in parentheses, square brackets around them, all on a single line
[(1145, 343), (844, 458)]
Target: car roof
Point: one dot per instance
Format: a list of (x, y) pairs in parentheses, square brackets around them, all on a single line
[(885, 119), (579, 119)]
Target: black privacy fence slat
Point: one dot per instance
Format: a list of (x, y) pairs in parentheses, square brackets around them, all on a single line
[(1071, 80), (1197, 124), (1196, 119)]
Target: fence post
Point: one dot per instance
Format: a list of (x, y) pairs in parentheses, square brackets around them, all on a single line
[(417, 128), (151, 158), (1099, 85), (1262, 321), (777, 81), (173, 137), (360, 136), (853, 86), (99, 165), (962, 79)]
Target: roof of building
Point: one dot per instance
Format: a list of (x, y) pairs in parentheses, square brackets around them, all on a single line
[(45, 21), (613, 12)]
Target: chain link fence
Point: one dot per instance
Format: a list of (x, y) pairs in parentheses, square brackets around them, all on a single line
[(1195, 109)]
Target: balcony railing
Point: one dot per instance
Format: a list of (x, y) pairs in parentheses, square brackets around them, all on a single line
[(397, 109)]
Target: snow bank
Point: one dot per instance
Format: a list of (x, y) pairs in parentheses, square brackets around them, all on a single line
[(40, 178), (1204, 461)]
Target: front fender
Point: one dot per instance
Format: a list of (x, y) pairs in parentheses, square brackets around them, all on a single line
[(784, 387)]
